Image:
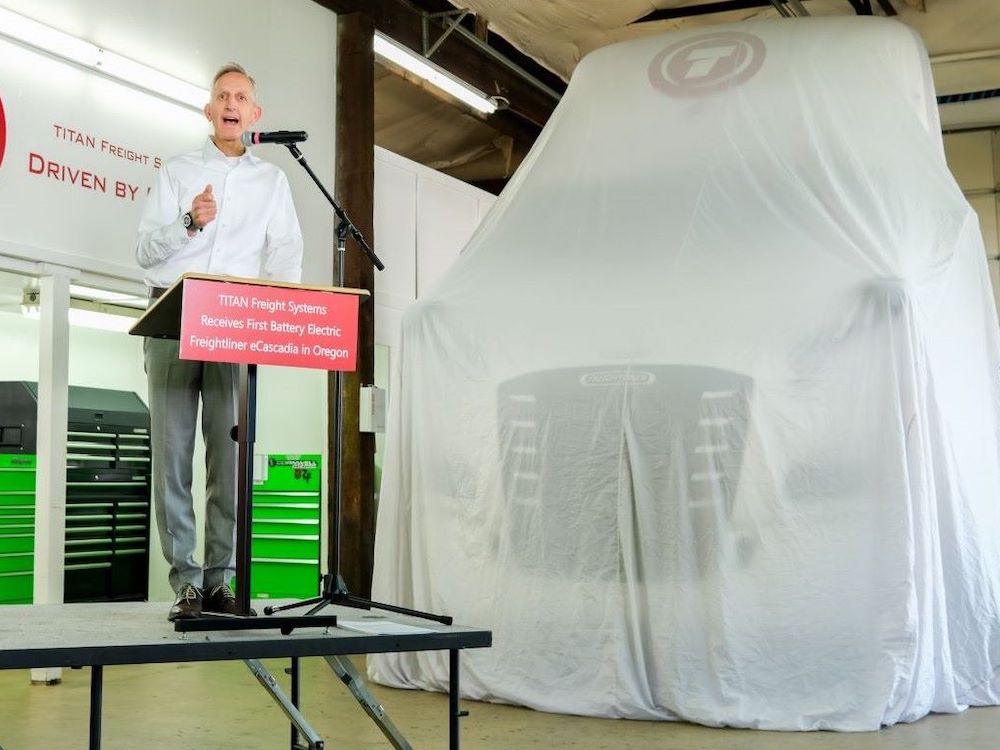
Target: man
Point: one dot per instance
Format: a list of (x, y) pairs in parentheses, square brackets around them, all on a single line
[(217, 210)]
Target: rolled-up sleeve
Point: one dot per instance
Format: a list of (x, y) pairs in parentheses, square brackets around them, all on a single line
[(161, 232)]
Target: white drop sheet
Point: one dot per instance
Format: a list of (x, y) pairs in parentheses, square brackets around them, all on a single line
[(703, 422)]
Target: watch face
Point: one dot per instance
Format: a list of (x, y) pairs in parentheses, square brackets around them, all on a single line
[(188, 220)]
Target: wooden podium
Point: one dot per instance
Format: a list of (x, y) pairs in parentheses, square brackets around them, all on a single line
[(250, 322)]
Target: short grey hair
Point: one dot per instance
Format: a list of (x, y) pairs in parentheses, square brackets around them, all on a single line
[(232, 67)]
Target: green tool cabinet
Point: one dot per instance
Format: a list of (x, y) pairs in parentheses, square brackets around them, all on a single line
[(17, 528), (285, 527), (107, 494)]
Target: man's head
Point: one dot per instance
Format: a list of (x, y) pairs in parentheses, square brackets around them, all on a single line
[(232, 108)]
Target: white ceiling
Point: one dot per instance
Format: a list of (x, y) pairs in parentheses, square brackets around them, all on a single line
[(558, 33)]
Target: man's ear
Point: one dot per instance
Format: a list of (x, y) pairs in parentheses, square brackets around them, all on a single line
[(257, 112), (208, 115)]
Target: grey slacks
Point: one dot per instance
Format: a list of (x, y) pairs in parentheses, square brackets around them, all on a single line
[(175, 386)]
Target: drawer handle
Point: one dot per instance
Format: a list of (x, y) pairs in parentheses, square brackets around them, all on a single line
[(275, 493), (302, 506), (86, 529)]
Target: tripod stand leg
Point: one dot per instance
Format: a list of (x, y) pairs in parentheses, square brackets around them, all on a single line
[(350, 676), (361, 603), (271, 685), (308, 602)]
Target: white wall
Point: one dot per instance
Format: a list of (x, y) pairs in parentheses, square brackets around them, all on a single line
[(289, 46), (99, 359), (423, 220)]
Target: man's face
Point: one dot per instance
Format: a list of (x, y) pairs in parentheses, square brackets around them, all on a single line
[(232, 108)]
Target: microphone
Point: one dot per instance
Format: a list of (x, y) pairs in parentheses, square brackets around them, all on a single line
[(283, 137)]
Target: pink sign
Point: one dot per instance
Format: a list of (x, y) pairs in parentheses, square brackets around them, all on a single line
[(269, 325)]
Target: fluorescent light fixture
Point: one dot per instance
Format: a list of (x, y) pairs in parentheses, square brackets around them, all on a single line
[(97, 309), (420, 66), (89, 319), (101, 320), (90, 56), (103, 295)]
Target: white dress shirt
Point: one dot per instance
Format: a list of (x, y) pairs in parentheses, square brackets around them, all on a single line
[(255, 233)]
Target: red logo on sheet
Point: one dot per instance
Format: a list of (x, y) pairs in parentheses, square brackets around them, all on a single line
[(707, 63), (3, 133)]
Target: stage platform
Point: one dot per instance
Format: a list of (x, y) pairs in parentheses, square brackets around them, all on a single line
[(99, 635)]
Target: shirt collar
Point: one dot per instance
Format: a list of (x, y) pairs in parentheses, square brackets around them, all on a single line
[(210, 152)]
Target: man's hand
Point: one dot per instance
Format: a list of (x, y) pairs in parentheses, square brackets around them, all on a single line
[(203, 208)]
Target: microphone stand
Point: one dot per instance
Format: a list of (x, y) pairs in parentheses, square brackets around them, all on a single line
[(335, 590)]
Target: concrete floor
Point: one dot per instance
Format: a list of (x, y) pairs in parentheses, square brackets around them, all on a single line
[(219, 705)]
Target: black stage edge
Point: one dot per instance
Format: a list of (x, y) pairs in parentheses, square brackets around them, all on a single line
[(79, 635), (240, 622)]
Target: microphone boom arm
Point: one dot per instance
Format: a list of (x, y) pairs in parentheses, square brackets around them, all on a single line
[(346, 226)]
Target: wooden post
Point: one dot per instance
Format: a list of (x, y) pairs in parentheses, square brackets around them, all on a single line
[(482, 28), (355, 191)]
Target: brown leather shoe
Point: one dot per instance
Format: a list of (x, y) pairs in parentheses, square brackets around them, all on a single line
[(188, 605), (220, 599)]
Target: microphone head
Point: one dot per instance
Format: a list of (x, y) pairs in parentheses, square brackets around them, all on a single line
[(279, 137)]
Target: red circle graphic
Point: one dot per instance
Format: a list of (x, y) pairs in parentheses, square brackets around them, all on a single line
[(707, 63), (3, 132)]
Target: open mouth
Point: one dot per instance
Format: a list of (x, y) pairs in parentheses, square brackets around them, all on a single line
[(231, 120)]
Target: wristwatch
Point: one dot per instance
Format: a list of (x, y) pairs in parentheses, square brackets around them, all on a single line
[(188, 221)]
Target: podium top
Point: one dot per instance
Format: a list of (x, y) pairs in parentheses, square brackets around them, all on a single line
[(163, 318)]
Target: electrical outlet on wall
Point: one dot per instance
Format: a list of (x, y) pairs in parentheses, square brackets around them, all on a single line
[(372, 409)]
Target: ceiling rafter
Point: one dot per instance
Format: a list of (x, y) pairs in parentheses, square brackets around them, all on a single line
[(405, 21), (703, 9), (861, 7)]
